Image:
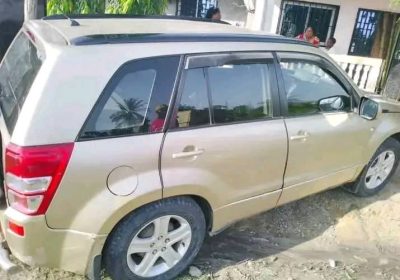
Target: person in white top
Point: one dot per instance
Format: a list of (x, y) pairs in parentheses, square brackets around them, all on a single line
[(330, 45)]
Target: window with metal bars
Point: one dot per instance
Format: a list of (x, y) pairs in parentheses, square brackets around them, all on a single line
[(364, 32), (296, 16), (194, 8), (370, 30)]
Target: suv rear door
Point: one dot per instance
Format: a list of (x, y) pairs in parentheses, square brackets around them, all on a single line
[(115, 162), (226, 141)]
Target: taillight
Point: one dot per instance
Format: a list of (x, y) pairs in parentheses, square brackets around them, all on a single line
[(33, 175)]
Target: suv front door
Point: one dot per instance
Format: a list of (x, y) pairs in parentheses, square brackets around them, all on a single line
[(326, 144), (225, 142)]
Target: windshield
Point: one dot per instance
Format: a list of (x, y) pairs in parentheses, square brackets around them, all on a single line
[(17, 73)]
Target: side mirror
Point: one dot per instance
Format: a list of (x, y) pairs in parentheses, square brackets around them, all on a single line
[(331, 104), (369, 109)]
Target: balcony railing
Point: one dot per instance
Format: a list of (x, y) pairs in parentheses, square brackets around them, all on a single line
[(364, 71)]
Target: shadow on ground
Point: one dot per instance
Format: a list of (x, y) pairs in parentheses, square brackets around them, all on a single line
[(326, 223)]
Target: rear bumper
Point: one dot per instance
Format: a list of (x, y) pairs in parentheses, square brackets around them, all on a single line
[(42, 246)]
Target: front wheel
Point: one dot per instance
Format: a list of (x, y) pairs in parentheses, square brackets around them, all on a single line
[(156, 242), (380, 169)]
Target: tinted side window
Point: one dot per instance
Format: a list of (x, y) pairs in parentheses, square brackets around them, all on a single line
[(306, 84), (136, 99), (194, 109), (240, 92), (17, 74)]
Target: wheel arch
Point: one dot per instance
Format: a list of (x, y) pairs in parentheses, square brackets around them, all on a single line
[(206, 208), (199, 200), (352, 187), (396, 136)]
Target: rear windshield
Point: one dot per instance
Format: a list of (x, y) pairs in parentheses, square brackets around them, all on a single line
[(17, 73)]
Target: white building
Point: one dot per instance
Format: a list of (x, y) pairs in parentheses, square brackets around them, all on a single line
[(362, 28)]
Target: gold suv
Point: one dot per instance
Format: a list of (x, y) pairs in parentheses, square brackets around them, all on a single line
[(126, 140)]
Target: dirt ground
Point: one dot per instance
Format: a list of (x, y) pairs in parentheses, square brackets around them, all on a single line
[(332, 235)]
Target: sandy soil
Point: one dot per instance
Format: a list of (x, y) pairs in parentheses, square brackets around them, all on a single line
[(332, 235)]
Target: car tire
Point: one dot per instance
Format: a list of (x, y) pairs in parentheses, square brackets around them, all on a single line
[(379, 170), (147, 226)]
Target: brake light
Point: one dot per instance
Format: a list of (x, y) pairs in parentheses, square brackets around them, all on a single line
[(33, 175)]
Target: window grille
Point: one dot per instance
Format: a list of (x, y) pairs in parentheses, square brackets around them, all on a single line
[(296, 16), (194, 8)]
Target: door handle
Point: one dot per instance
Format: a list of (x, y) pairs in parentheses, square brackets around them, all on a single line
[(188, 154), (300, 136)]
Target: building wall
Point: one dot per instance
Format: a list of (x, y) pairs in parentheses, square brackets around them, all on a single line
[(233, 11), (12, 16), (346, 19), (171, 9), (11, 19)]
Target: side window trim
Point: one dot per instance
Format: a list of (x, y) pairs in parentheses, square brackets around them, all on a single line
[(209, 96), (193, 61), (106, 93), (213, 60), (174, 95), (178, 97), (319, 61)]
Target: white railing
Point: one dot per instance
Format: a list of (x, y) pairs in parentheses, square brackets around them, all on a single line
[(363, 70)]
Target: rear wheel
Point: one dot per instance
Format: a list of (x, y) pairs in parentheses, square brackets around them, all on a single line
[(156, 242), (380, 169)]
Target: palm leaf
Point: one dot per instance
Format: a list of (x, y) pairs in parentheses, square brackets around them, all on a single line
[(129, 112)]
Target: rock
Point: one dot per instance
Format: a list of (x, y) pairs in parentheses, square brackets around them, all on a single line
[(195, 272), (332, 263), (364, 260), (272, 259), (250, 264), (350, 270), (383, 261)]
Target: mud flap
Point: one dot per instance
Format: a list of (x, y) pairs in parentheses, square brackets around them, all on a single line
[(95, 273), (350, 187)]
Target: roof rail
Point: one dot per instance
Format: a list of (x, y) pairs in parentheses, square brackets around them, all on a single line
[(111, 16), (100, 39)]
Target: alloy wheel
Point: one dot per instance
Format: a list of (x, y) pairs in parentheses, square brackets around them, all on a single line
[(159, 246), (380, 169)]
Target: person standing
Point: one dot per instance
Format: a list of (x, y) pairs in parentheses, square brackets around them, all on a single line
[(214, 13), (309, 36), (330, 46)]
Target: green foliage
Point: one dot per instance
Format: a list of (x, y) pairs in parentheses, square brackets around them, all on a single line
[(75, 6), (395, 2), (129, 112), (137, 7)]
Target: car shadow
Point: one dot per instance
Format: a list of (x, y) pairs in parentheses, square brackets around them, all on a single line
[(285, 227)]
